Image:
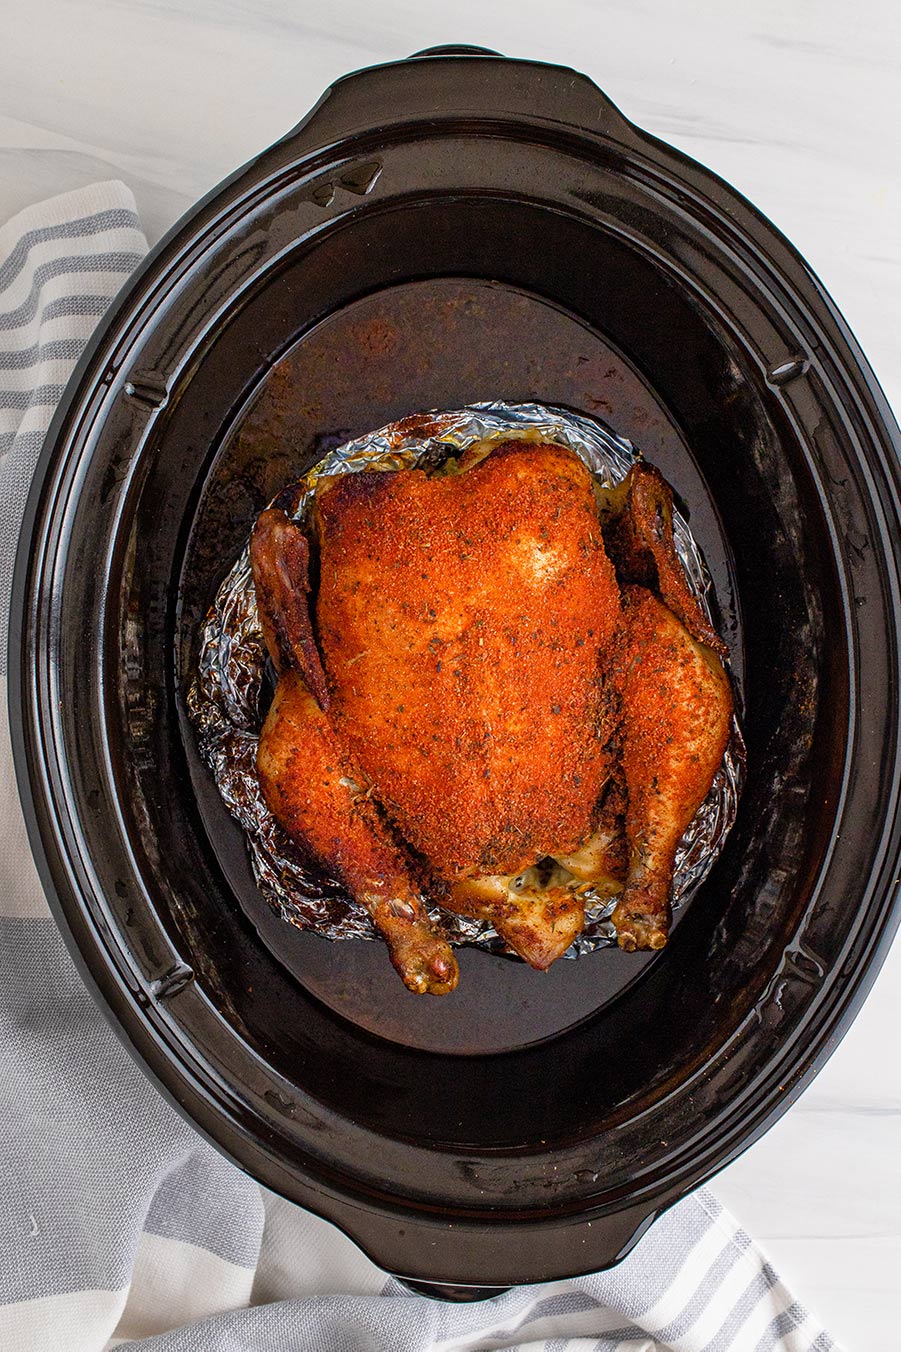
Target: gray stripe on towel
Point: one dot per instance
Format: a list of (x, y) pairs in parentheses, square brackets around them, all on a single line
[(762, 1282), (60, 349), (117, 218), (123, 262)]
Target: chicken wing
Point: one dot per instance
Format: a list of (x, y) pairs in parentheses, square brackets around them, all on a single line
[(280, 560), (638, 531)]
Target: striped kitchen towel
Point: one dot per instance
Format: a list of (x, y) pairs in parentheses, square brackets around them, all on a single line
[(121, 1227)]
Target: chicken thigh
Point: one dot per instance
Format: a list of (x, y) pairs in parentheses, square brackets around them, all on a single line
[(309, 788), (676, 708)]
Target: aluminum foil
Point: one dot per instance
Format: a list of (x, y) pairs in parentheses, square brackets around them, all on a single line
[(225, 698)]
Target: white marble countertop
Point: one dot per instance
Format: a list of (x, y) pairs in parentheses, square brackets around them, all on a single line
[(799, 106)]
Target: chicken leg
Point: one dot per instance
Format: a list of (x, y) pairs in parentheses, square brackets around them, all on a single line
[(676, 715)]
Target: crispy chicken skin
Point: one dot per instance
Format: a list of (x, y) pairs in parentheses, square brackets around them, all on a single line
[(463, 646), (676, 706), (481, 706)]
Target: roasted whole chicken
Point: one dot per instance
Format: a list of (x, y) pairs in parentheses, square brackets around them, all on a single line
[(495, 692)]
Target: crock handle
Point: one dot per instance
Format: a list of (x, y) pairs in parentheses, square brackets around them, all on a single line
[(462, 49), (460, 81), (580, 1244)]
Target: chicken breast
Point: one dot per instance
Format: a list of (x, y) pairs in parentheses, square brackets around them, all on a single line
[(457, 703), (463, 648)]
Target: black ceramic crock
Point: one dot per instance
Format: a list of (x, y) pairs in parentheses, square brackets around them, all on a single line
[(445, 229)]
